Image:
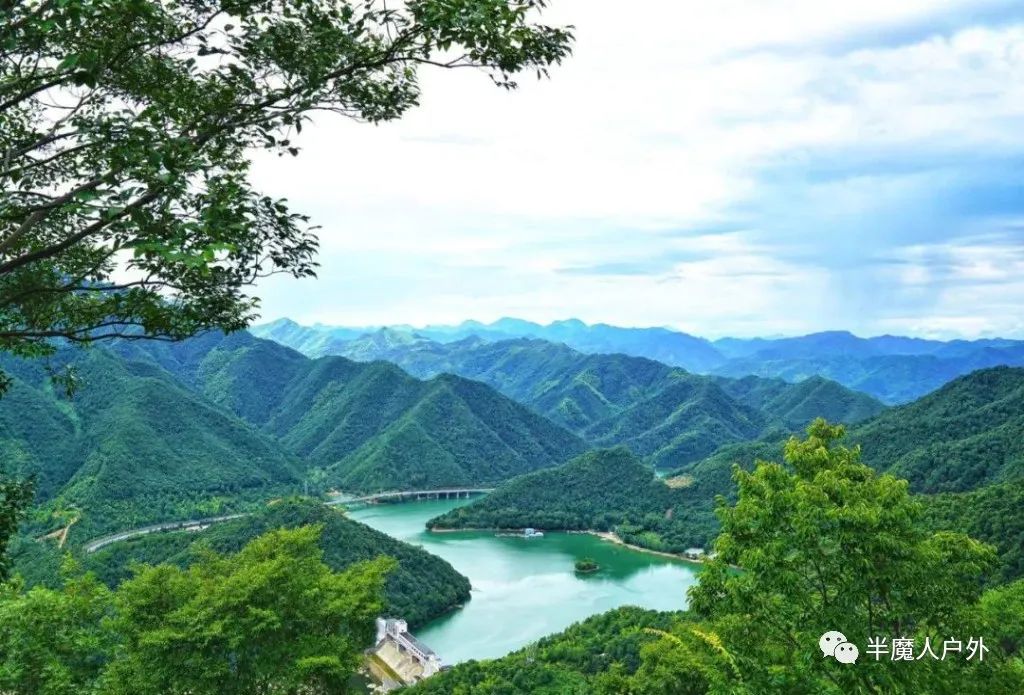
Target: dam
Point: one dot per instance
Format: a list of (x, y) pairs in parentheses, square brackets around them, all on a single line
[(398, 658)]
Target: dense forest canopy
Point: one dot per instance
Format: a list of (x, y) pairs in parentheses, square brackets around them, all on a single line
[(604, 490), (271, 618), (961, 448)]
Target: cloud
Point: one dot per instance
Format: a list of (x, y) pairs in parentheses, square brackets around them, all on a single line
[(744, 167)]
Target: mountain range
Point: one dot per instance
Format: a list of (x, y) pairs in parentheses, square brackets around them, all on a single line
[(221, 423), (893, 369), (664, 413), (216, 424), (961, 448)]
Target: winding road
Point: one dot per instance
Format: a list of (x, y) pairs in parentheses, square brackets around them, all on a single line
[(445, 493)]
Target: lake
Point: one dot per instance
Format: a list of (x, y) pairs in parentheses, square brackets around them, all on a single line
[(526, 588)]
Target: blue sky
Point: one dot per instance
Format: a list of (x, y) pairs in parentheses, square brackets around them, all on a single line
[(742, 168)]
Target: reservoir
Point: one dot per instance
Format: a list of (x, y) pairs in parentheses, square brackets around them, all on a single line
[(526, 588)]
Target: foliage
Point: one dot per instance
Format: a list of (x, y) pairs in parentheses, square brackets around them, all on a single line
[(587, 564), (994, 514), (125, 128), (593, 656), (967, 434), (966, 438), (15, 496), (133, 447), (604, 490), (371, 426), (271, 618), (55, 642), (827, 544), (421, 587)]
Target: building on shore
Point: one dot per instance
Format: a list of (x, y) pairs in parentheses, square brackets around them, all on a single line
[(403, 655)]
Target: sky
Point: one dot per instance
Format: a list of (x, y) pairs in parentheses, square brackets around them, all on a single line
[(741, 167)]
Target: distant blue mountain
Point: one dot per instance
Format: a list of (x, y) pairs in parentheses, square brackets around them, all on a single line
[(894, 369)]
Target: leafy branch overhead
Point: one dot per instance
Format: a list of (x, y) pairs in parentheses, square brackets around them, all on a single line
[(126, 127)]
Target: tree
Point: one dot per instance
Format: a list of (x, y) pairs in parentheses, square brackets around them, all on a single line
[(54, 642), (125, 205), (125, 126), (271, 619), (15, 497), (827, 544)]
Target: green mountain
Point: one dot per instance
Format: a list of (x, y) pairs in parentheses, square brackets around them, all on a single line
[(662, 412), (961, 448), (967, 434), (368, 426), (791, 406), (993, 513), (604, 490), (422, 587), (133, 445), (683, 422), (166, 431)]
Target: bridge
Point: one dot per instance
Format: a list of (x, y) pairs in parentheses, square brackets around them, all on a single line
[(199, 524), (413, 495)]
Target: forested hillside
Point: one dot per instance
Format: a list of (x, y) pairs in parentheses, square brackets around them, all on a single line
[(422, 586), (131, 446), (966, 439), (662, 412), (368, 426), (604, 490), (967, 434), (167, 431)]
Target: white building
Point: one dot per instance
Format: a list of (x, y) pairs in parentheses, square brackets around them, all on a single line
[(396, 631)]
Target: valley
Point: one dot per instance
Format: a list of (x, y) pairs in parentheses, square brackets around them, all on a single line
[(258, 436)]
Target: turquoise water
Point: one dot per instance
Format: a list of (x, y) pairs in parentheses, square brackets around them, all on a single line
[(524, 589)]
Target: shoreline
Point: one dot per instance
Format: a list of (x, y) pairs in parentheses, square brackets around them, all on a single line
[(613, 537), (609, 536)]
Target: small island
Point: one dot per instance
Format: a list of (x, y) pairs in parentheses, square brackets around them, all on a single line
[(587, 565)]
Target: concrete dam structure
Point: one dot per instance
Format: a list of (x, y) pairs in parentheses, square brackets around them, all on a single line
[(403, 655)]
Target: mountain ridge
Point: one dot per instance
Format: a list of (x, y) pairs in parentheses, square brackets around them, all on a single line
[(894, 369)]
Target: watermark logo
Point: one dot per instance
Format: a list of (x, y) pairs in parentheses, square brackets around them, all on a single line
[(833, 643)]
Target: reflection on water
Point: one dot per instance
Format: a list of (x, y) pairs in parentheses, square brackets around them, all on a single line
[(524, 588)]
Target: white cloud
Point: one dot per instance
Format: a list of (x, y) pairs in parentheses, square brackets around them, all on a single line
[(817, 135)]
